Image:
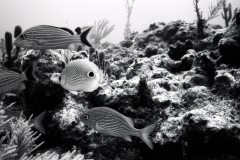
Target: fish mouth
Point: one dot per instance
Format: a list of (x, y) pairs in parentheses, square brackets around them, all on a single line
[(54, 78)]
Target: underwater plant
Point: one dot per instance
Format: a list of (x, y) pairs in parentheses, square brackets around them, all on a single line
[(99, 31), (201, 22), (127, 31), (19, 142), (236, 14)]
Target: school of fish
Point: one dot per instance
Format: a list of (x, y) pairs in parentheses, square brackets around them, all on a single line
[(78, 75)]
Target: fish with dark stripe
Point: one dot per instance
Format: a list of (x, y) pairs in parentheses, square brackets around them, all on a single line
[(12, 81), (108, 121), (80, 75), (44, 37)]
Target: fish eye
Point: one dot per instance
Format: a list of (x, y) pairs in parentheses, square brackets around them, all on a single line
[(86, 116), (23, 36), (90, 74)]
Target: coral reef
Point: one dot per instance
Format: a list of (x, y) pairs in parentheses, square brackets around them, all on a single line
[(188, 85)]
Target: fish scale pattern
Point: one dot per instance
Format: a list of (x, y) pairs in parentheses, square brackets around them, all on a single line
[(10, 80), (113, 122), (42, 37)]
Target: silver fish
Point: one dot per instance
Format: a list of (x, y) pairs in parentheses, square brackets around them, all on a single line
[(108, 121), (13, 81), (35, 121), (80, 75), (44, 37)]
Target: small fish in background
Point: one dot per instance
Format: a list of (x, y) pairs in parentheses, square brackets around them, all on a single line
[(12, 81), (35, 121), (108, 121), (80, 75), (44, 37)]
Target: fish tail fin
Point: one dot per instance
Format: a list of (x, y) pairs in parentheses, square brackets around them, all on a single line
[(30, 71), (37, 122), (83, 37), (145, 132)]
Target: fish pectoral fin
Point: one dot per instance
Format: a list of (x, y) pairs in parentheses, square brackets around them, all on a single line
[(22, 87), (74, 92), (128, 138), (99, 128), (10, 94), (3, 96)]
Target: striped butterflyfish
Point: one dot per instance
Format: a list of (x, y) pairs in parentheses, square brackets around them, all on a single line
[(12, 80), (108, 121), (44, 37), (80, 75)]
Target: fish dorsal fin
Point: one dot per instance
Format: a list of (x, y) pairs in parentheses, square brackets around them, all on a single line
[(78, 30), (62, 28), (67, 30), (15, 70), (129, 121)]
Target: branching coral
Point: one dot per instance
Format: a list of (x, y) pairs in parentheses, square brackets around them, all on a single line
[(227, 12), (127, 31), (212, 14), (100, 31)]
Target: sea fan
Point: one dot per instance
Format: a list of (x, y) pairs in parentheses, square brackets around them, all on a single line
[(99, 31), (214, 10)]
